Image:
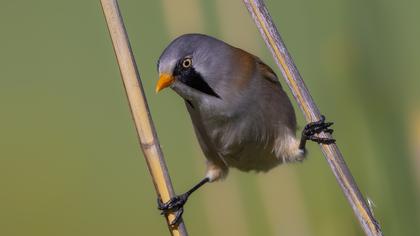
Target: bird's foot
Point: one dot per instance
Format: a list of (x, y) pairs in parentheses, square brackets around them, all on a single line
[(313, 128), (174, 205)]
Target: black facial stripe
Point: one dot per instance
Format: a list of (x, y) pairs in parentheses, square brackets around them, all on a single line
[(192, 78)]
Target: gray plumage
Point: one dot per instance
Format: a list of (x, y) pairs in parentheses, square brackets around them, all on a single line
[(250, 124)]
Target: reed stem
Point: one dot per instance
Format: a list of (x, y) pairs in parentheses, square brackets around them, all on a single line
[(146, 132), (274, 42)]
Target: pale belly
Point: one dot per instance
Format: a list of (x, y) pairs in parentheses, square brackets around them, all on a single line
[(242, 150), (246, 142), (252, 157)]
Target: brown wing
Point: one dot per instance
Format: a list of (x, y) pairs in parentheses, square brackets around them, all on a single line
[(284, 112), (266, 71)]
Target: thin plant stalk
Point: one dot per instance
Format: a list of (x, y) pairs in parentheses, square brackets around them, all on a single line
[(274, 42), (139, 109)]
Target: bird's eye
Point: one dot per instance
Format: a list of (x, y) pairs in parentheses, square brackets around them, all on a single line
[(187, 62)]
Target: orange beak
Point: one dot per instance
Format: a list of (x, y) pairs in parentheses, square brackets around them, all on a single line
[(165, 80)]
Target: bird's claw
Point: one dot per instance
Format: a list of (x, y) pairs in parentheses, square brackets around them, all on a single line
[(174, 205), (317, 127)]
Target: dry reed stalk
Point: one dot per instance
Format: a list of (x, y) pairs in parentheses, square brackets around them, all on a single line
[(331, 152), (139, 109)]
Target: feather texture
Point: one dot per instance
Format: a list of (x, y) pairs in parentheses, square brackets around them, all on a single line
[(252, 124)]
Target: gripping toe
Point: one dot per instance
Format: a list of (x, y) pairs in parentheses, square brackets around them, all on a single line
[(312, 129)]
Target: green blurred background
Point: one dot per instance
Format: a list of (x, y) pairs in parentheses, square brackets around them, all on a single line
[(70, 163)]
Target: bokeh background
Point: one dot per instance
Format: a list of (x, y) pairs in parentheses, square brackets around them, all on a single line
[(70, 163)]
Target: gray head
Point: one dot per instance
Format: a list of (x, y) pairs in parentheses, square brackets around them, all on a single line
[(194, 63)]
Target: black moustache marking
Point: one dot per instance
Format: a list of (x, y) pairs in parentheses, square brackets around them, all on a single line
[(193, 79), (197, 82)]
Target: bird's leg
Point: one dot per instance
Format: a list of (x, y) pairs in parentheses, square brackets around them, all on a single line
[(176, 204), (313, 128)]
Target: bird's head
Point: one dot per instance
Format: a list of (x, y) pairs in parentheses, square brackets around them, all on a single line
[(195, 66)]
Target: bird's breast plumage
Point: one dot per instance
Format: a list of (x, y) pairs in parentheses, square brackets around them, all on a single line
[(241, 133)]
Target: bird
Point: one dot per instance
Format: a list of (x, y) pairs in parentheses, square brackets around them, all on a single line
[(241, 115)]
